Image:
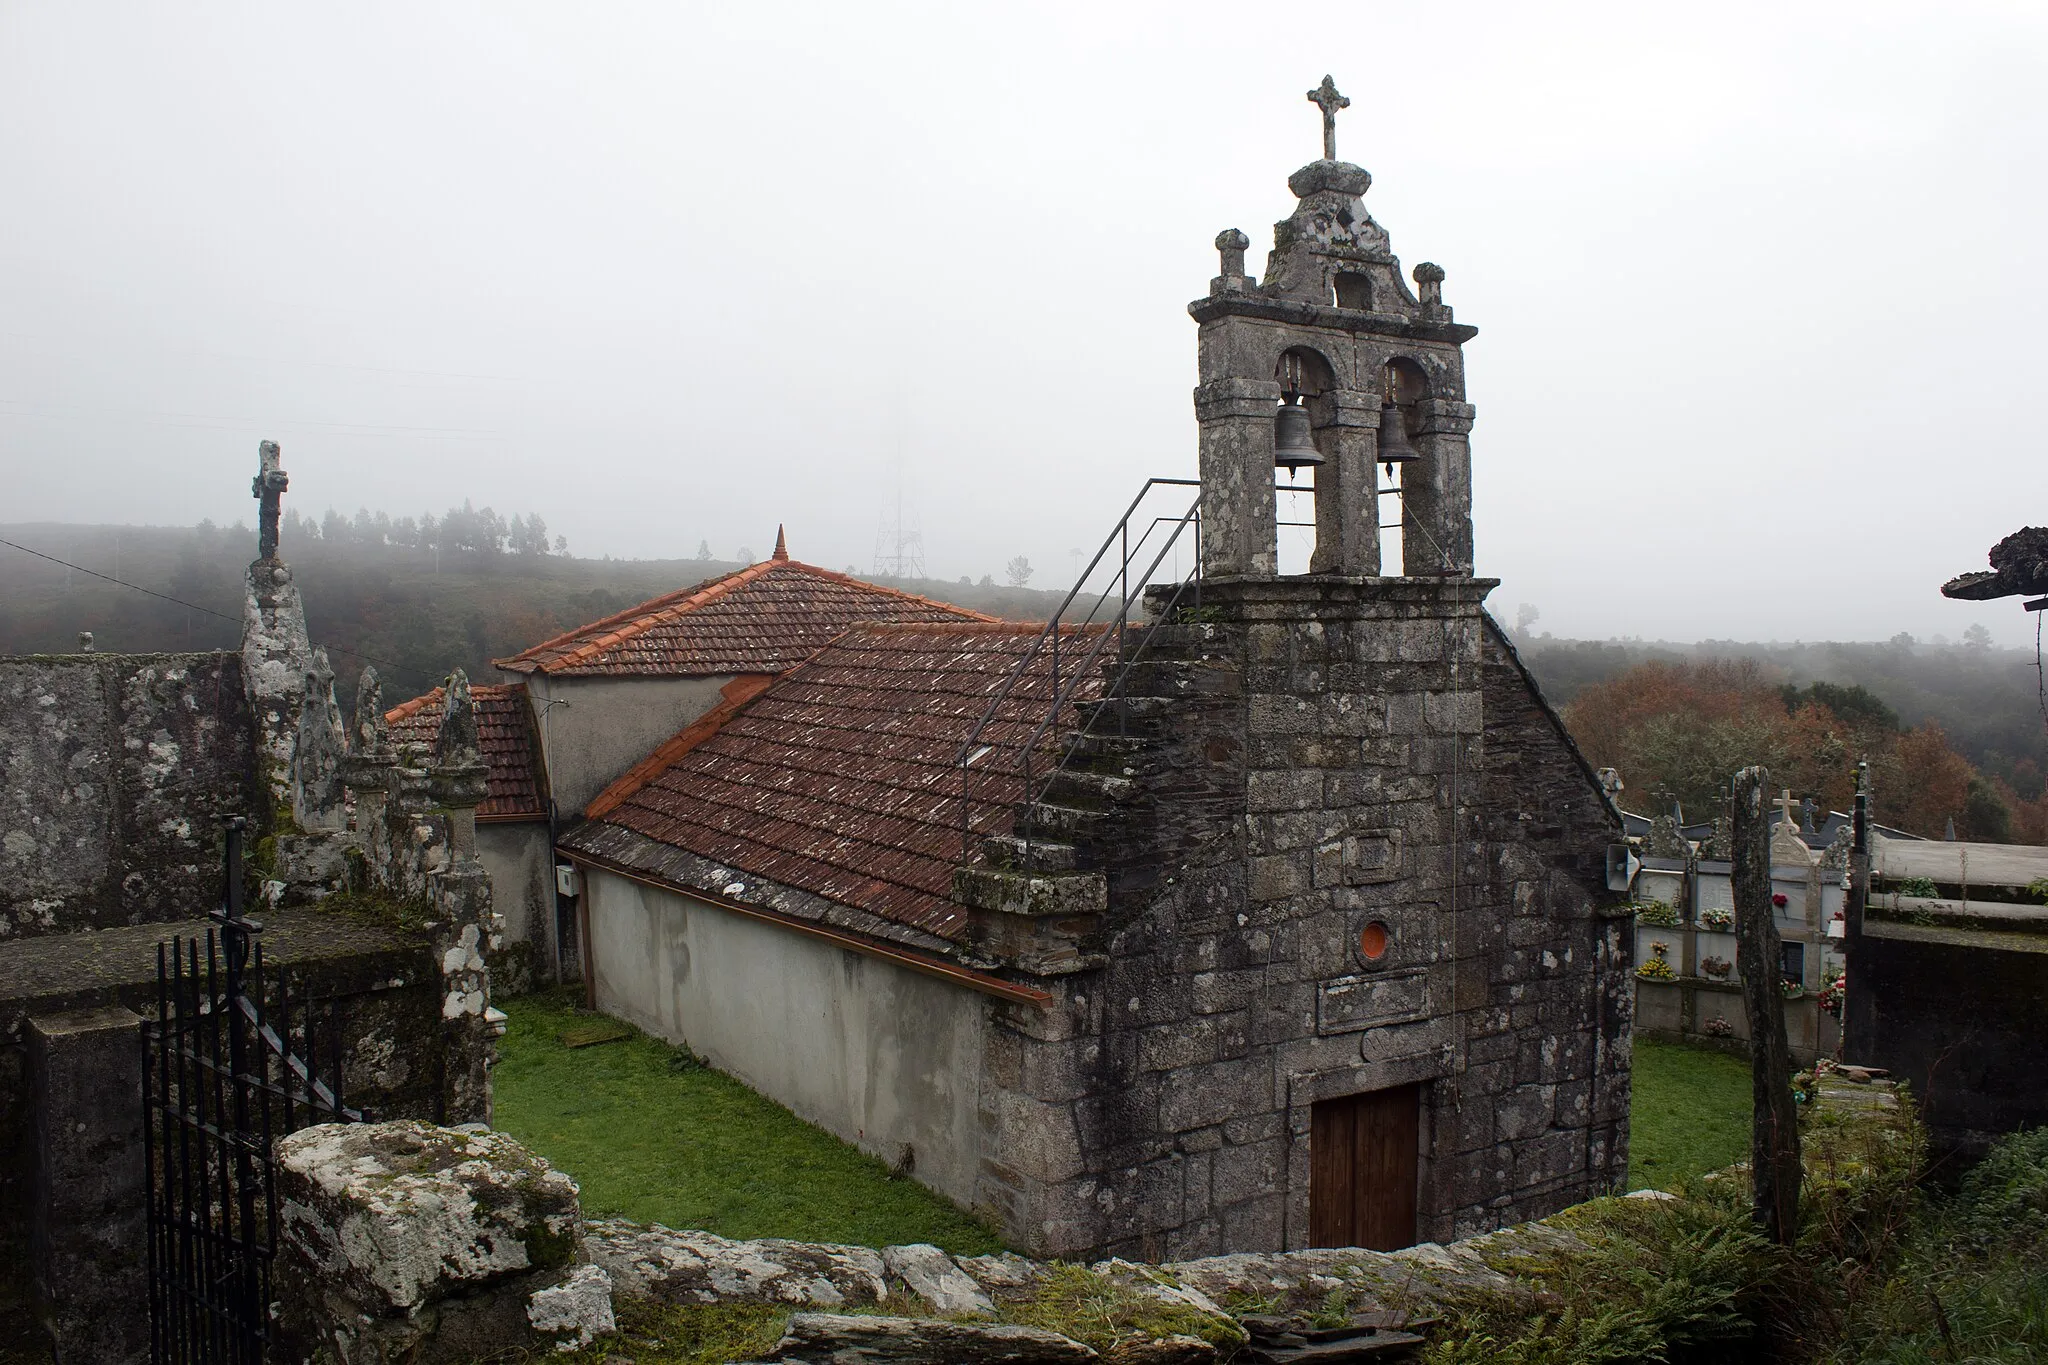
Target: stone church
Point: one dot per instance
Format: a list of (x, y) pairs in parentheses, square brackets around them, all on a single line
[(1281, 923)]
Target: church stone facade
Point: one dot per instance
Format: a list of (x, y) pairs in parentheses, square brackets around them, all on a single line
[(1359, 979)]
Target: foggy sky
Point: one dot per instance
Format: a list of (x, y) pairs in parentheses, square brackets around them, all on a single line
[(1758, 288)]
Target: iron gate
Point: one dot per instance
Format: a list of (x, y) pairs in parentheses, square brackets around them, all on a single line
[(228, 1066)]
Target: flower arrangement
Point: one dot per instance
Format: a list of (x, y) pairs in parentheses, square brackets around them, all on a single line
[(1832, 991), (1656, 914), (1720, 919), (1779, 899), (1660, 947), (1718, 1027), (1656, 969), (1716, 967), (1790, 989)]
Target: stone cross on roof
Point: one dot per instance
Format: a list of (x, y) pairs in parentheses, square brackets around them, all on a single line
[(268, 488), (1326, 96), (1791, 820)]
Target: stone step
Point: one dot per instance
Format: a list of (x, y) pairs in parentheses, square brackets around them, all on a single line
[(1056, 822), (1100, 750), (1087, 789), (1030, 893), (1174, 679), (1014, 853), (1176, 640)]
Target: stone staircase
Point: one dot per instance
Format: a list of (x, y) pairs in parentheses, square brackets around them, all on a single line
[(1037, 892)]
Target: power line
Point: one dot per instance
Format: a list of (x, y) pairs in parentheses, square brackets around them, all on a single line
[(179, 601)]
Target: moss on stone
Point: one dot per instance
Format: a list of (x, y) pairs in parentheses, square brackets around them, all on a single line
[(653, 1333), (410, 916), (1106, 1313)]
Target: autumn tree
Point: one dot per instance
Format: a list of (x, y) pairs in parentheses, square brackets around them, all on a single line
[(1676, 731)]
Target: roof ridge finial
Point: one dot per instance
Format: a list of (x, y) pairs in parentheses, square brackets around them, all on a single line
[(1326, 96), (781, 545)]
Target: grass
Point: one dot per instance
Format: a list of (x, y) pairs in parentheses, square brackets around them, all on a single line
[(651, 1135), (1689, 1114)]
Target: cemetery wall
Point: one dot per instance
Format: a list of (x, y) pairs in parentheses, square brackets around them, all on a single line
[(71, 1010), (1955, 1008), (116, 771)]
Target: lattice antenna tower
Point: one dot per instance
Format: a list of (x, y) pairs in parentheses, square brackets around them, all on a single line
[(899, 545)]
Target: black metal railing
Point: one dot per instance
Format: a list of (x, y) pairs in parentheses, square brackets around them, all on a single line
[(226, 1071), (1071, 667)]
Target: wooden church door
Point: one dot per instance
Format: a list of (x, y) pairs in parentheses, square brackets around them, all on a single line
[(1362, 1168)]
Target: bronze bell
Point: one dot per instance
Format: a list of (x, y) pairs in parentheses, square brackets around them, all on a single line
[(1394, 447), (1293, 443)]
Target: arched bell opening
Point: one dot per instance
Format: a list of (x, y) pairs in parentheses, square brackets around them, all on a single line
[(1403, 387), (1301, 450)]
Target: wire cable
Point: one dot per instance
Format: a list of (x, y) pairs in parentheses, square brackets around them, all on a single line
[(179, 601)]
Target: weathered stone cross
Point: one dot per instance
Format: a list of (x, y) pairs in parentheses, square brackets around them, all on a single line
[(1326, 96), (1785, 805), (268, 488)]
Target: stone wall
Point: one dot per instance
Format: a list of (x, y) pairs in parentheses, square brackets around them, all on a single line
[(1953, 1004), (1314, 757), (116, 771), (406, 1241), (70, 1099)]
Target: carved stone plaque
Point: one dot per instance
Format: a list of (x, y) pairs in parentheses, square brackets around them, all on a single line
[(1351, 1003)]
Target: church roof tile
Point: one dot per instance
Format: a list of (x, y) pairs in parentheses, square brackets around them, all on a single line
[(505, 732), (840, 780), (761, 619)]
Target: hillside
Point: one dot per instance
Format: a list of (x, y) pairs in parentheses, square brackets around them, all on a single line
[(414, 613), (417, 612)]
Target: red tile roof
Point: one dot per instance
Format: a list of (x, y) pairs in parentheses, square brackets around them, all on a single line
[(839, 780), (505, 730), (762, 619)]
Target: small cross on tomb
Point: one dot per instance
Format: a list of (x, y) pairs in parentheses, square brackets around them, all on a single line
[(1791, 821), (1326, 97)]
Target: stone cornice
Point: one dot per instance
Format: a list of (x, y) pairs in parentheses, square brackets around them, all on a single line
[(1336, 319)]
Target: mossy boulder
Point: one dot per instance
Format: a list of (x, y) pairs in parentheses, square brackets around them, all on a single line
[(404, 1240)]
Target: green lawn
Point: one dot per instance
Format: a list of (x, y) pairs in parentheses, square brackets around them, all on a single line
[(691, 1148), (1689, 1115)]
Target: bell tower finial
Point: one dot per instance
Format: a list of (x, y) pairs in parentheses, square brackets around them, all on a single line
[(1326, 96)]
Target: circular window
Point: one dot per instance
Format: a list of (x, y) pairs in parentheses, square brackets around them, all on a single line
[(1373, 941)]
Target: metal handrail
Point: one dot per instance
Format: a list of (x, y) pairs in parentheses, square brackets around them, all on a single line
[(1048, 639)]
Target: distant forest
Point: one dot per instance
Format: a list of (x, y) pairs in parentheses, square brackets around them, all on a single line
[(418, 596), (415, 596), (1987, 701)]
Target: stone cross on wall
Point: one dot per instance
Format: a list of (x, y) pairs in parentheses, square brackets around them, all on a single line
[(268, 487), (1326, 96)]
